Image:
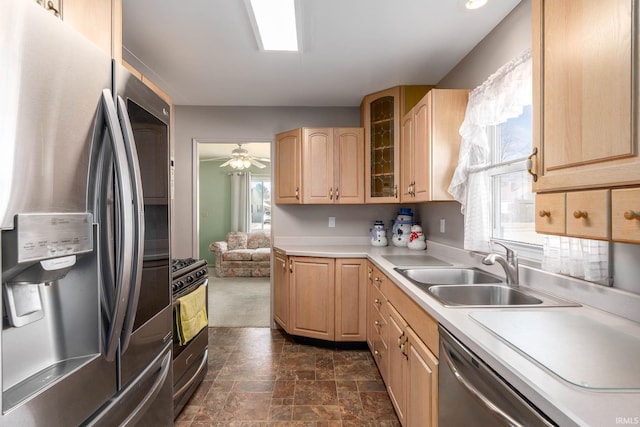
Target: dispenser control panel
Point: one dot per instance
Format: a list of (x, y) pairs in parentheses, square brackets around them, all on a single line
[(43, 236)]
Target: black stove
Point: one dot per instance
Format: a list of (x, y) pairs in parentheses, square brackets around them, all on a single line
[(189, 360), (186, 272)]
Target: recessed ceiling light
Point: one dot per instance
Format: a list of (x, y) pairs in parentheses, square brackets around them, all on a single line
[(275, 22), (475, 4)]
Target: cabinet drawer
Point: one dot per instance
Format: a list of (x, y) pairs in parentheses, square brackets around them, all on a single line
[(550, 216), (381, 356), (625, 215), (588, 214), (378, 299)]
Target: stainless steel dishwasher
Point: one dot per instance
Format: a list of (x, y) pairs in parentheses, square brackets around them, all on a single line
[(472, 394)]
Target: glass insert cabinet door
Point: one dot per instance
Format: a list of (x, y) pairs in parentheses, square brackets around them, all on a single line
[(380, 116)]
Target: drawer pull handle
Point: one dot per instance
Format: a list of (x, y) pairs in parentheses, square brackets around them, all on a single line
[(331, 193), (544, 213), (580, 214), (631, 215)]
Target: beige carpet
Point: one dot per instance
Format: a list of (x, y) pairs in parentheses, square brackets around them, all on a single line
[(239, 301)]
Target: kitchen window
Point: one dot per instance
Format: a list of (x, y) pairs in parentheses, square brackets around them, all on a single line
[(260, 202), (512, 201)]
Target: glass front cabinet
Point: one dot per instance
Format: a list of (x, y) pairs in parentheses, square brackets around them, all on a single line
[(380, 116)]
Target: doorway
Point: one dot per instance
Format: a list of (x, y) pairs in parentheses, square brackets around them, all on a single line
[(232, 192)]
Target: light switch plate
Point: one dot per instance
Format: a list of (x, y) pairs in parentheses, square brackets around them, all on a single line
[(332, 221)]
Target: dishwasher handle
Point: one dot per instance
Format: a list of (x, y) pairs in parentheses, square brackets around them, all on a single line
[(474, 391)]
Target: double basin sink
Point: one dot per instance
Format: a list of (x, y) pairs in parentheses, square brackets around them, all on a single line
[(471, 287)]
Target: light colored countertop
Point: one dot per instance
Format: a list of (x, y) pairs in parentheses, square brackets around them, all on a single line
[(566, 403)]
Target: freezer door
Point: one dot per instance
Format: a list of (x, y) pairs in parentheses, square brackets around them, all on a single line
[(146, 401)]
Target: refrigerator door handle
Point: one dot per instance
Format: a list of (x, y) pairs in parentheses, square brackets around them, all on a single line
[(138, 202), (125, 236)]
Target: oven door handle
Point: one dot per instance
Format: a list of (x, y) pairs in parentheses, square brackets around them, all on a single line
[(138, 224), (203, 364), (184, 291), (472, 390)]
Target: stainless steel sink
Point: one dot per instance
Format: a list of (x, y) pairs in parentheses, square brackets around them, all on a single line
[(477, 295), (472, 287), (447, 276)]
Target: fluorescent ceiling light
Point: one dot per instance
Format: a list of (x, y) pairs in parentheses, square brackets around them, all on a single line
[(475, 4), (276, 24)]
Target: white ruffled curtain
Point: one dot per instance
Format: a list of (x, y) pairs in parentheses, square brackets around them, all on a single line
[(501, 97), (582, 258), (240, 201)]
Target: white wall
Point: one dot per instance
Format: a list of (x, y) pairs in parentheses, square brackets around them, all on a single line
[(503, 43), (260, 123)]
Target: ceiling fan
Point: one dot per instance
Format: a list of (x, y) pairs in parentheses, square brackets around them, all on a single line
[(240, 159)]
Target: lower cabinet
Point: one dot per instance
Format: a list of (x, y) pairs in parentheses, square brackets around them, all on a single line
[(408, 366), (323, 298), (281, 289), (421, 382)]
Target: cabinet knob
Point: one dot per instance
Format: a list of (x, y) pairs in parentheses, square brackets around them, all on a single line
[(377, 323), (337, 193), (543, 213), (376, 352), (291, 266), (631, 215), (331, 193), (395, 191), (377, 301), (580, 214), (297, 193)]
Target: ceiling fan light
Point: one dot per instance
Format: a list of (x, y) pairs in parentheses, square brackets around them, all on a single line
[(236, 164), (246, 163)]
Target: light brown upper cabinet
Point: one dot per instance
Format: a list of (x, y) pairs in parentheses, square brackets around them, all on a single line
[(585, 116), (320, 166), (381, 115), (430, 144), (288, 164), (333, 165), (98, 20)]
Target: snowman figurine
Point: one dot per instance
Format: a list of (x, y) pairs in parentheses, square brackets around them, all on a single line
[(378, 234), (417, 240)]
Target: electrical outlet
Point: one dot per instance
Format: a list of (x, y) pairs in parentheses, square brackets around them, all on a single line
[(442, 225), (332, 221)]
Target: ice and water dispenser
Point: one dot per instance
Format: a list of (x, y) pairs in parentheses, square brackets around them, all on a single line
[(51, 300)]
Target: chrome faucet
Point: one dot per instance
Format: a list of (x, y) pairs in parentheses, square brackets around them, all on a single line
[(510, 263)]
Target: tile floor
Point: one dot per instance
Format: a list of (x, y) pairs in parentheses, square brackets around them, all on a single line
[(259, 377)]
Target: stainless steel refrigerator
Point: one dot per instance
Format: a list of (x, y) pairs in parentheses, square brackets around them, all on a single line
[(84, 232)]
